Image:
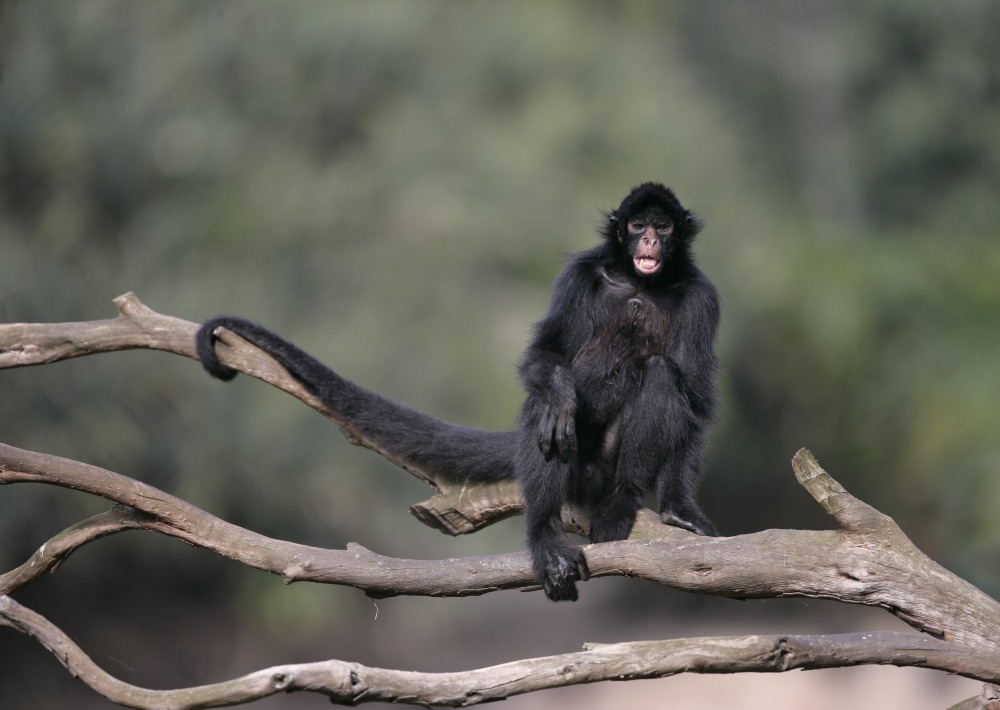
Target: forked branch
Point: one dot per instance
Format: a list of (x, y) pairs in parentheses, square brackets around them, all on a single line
[(868, 560)]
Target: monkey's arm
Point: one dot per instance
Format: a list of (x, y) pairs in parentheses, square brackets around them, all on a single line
[(693, 345), (459, 453), (550, 405)]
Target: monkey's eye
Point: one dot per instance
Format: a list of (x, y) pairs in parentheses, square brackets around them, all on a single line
[(636, 227), (664, 228)]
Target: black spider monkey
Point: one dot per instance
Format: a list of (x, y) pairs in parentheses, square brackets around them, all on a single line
[(620, 380)]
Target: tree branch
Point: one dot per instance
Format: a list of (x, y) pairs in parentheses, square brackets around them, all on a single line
[(881, 568), (53, 553), (460, 508), (352, 683), (867, 561)]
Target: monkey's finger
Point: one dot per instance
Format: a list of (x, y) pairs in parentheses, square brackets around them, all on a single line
[(562, 449), (545, 436), (569, 439), (565, 439), (560, 591)]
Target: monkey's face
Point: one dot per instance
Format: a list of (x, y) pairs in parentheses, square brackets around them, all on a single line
[(648, 239)]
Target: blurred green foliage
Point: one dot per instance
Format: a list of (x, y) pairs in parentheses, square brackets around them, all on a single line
[(394, 185)]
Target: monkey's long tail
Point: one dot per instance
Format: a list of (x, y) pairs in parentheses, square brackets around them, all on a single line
[(418, 439)]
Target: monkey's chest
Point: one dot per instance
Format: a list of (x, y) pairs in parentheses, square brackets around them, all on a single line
[(627, 330), (609, 364)]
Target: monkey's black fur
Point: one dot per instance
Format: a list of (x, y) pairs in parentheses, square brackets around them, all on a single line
[(464, 453), (620, 380)]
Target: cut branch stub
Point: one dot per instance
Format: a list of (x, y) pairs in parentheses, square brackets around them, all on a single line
[(465, 508)]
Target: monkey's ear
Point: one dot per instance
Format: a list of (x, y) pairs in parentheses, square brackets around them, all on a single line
[(612, 227), (692, 224)]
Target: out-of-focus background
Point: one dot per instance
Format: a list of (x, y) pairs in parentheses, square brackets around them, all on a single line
[(394, 185)]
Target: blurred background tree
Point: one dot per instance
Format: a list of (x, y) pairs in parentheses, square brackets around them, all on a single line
[(394, 185)]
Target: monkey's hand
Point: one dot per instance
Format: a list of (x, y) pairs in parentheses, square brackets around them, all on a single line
[(557, 423), (557, 431)]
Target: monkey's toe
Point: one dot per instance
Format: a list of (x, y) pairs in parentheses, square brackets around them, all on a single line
[(560, 590)]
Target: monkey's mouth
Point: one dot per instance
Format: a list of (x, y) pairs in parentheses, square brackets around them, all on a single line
[(646, 265)]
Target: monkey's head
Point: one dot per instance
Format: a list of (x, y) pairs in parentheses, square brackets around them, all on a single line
[(650, 227)]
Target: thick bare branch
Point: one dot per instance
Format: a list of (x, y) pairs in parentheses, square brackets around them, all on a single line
[(352, 683), (139, 327), (930, 594), (136, 326), (885, 571)]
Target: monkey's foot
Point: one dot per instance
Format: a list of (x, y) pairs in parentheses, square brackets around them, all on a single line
[(606, 528), (560, 569), (702, 527)]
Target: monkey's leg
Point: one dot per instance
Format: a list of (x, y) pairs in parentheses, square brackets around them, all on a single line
[(678, 483), (652, 422), (557, 561)]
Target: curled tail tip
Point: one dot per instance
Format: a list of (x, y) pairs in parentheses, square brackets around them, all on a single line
[(219, 371), (205, 347)]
